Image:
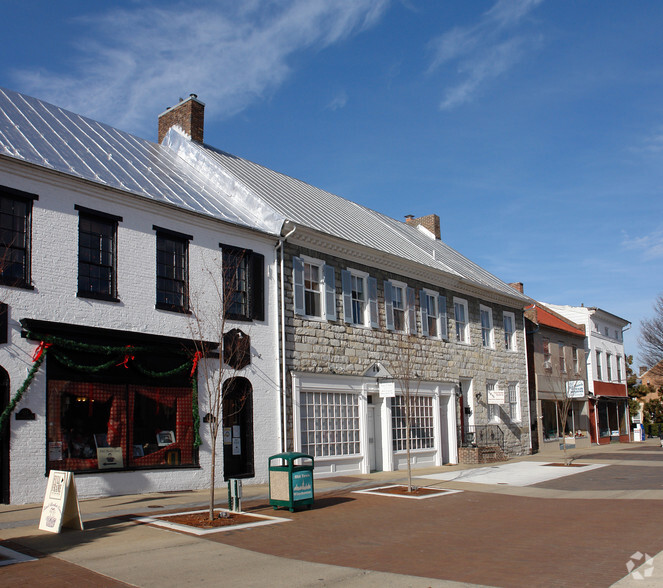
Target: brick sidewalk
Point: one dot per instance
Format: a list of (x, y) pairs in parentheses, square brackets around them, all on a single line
[(490, 539)]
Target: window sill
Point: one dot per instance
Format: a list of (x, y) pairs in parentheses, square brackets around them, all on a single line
[(94, 296), (171, 308), (16, 284)]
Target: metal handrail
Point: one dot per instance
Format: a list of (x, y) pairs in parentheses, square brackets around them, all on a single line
[(483, 436)]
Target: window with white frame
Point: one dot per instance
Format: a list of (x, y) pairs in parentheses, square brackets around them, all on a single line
[(599, 368), (514, 401), (399, 302), (486, 315), (422, 434), (618, 358), (576, 362), (314, 288), (360, 298), (493, 409), (562, 357), (461, 319), (510, 331), (547, 357), (608, 366), (329, 424), (433, 314)]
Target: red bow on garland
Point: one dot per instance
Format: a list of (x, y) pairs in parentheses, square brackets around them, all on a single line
[(196, 358), (40, 350), (127, 358)]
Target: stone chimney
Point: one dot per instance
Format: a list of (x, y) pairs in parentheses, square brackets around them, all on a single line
[(517, 286), (430, 222), (189, 115)]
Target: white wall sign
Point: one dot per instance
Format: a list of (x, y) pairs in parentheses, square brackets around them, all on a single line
[(575, 389), (60, 503), (387, 389), (496, 396)]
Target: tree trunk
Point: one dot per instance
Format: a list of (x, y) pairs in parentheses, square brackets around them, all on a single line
[(212, 480)]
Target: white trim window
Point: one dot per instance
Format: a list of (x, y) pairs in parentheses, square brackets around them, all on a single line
[(399, 305), (576, 362), (493, 409), (314, 288), (562, 358), (486, 314), (599, 367), (360, 298), (433, 314), (422, 430), (608, 366), (547, 357), (513, 392), (509, 319), (329, 424), (461, 319), (618, 359)]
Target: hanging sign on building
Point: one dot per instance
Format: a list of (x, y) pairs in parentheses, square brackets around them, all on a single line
[(496, 395), (575, 389), (387, 389), (60, 503)]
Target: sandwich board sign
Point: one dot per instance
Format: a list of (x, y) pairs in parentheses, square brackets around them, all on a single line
[(60, 503)]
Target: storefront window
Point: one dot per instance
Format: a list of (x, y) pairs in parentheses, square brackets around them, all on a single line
[(421, 423), (95, 426), (330, 424)]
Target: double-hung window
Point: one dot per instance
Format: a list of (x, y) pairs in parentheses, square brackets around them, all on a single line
[(399, 303), (619, 368), (97, 254), (314, 288), (599, 367), (15, 237), (608, 366), (562, 358), (360, 298), (433, 314), (172, 270), (243, 283), (486, 326), (509, 331), (514, 401), (547, 357), (493, 409), (461, 318), (576, 363)]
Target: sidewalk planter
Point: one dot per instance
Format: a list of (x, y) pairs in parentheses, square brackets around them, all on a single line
[(290, 483)]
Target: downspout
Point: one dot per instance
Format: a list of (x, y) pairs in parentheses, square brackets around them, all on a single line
[(529, 407), (283, 386)]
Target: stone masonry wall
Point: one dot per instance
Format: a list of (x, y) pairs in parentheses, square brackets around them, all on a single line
[(318, 346)]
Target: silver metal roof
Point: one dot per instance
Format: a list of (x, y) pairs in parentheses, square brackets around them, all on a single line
[(37, 132), (330, 214)]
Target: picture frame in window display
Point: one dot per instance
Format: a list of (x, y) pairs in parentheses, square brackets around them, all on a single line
[(165, 438)]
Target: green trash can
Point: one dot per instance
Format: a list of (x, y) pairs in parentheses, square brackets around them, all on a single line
[(290, 483)]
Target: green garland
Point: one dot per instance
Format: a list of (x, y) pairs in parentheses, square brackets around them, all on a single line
[(24, 386), (118, 355)]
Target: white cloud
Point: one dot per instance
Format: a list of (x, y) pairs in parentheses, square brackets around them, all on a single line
[(339, 101), (134, 63), (650, 245), (485, 50)]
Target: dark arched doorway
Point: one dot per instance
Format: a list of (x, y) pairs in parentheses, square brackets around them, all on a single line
[(238, 429), (4, 439)]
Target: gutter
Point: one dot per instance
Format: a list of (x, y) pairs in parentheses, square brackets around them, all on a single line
[(283, 408)]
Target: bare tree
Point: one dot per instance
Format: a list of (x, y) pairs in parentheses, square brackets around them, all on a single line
[(409, 382), (651, 338), (221, 350)]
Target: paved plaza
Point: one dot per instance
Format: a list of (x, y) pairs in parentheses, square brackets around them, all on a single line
[(528, 522)]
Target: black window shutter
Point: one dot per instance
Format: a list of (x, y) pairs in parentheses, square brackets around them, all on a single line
[(257, 299), (4, 323)]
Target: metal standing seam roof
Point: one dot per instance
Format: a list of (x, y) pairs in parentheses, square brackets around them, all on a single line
[(48, 136), (333, 215)]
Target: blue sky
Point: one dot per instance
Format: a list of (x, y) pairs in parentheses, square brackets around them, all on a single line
[(533, 128)]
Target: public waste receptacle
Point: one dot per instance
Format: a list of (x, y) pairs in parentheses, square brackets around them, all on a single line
[(290, 483)]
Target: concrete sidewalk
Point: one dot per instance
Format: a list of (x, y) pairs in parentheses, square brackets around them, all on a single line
[(359, 540)]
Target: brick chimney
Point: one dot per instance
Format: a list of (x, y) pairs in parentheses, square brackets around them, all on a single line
[(430, 222), (189, 115), (517, 286)]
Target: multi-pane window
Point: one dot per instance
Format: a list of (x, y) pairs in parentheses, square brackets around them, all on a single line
[(172, 271), (619, 368), (329, 424), (576, 363), (15, 234), (486, 315), (547, 363), (509, 331), (599, 368), (243, 283), (421, 422), (462, 326), (514, 401), (493, 409), (97, 253), (432, 316), (358, 300), (562, 358), (398, 301), (312, 289), (608, 366)]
